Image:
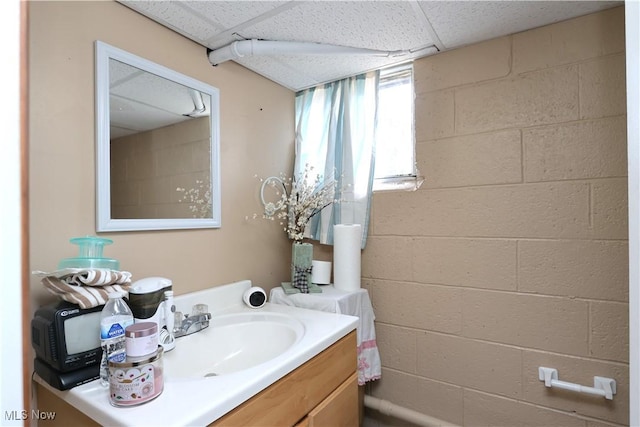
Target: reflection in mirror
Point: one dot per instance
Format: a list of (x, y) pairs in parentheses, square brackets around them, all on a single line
[(157, 146)]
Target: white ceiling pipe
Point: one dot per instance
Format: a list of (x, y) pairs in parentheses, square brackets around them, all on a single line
[(239, 49), (199, 106)]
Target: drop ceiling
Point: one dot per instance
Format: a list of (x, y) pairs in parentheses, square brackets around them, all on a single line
[(420, 27)]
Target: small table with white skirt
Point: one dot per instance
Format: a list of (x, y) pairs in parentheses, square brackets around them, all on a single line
[(356, 303)]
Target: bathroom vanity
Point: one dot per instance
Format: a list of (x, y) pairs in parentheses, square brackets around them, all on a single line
[(323, 392), (310, 380)]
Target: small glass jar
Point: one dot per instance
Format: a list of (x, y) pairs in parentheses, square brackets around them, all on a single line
[(137, 380), (141, 339)]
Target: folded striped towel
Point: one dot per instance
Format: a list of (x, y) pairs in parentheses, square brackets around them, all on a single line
[(86, 287)]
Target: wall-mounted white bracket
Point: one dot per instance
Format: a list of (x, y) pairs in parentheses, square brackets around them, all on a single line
[(605, 387)]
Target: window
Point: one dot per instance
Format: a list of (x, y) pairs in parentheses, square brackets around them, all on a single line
[(395, 165)]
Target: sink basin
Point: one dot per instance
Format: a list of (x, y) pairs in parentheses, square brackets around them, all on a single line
[(232, 343)]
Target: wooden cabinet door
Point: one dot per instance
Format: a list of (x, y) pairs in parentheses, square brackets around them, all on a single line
[(292, 397), (340, 408)]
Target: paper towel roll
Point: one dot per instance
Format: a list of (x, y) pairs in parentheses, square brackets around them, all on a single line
[(321, 273), (346, 256)]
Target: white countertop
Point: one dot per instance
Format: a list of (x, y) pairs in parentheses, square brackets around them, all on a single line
[(196, 402)]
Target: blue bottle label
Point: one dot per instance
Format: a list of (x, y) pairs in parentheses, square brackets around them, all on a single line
[(118, 356), (115, 330)]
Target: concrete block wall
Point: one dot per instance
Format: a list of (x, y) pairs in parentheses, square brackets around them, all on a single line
[(514, 253), (148, 167)]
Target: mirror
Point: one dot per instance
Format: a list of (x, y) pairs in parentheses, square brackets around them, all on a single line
[(157, 146)]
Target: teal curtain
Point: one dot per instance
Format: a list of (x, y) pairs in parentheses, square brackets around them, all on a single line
[(335, 134)]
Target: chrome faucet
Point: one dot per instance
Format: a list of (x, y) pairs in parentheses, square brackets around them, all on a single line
[(190, 324)]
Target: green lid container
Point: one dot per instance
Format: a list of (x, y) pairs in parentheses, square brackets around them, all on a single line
[(90, 254)]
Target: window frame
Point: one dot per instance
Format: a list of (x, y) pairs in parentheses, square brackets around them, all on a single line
[(413, 180)]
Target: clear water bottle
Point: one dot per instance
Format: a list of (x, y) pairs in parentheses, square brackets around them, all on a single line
[(115, 317)]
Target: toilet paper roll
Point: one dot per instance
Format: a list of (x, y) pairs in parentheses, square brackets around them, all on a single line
[(346, 256), (321, 272)]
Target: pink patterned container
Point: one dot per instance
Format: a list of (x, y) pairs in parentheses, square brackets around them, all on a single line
[(137, 380)]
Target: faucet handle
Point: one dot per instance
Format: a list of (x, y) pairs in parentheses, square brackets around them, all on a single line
[(199, 309), (177, 320)]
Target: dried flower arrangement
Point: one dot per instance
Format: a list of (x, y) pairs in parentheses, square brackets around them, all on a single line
[(199, 199), (300, 200)]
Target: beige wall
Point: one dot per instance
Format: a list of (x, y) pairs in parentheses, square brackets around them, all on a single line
[(513, 254), (256, 139)]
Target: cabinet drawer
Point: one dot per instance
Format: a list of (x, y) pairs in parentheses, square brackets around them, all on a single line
[(340, 409)]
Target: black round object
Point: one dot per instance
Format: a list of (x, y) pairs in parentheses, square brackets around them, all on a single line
[(256, 299)]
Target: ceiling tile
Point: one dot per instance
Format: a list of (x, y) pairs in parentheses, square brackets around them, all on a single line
[(228, 14), (377, 25), (174, 15), (324, 68), (330, 68), (458, 23), (234, 16), (278, 71)]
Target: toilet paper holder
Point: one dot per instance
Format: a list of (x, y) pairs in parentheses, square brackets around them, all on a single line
[(605, 387)]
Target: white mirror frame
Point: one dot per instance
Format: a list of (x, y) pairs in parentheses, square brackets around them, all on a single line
[(104, 222)]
